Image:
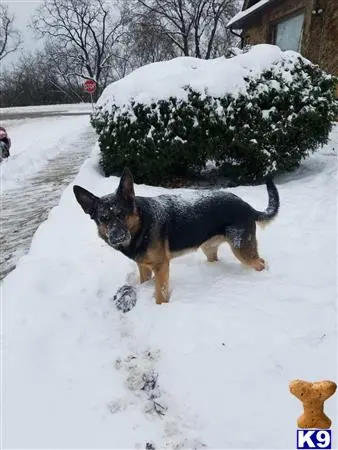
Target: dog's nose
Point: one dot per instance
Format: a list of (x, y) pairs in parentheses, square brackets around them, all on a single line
[(116, 236)]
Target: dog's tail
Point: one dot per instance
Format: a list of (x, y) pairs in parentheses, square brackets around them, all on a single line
[(263, 218)]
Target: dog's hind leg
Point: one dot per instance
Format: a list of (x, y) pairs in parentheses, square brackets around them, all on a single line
[(247, 254), (244, 246)]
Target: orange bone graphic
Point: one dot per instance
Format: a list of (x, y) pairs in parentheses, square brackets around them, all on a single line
[(313, 396)]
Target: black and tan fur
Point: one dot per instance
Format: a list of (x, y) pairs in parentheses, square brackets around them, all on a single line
[(153, 230)]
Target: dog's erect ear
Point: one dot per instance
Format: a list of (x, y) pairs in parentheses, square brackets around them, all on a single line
[(87, 200), (126, 186)]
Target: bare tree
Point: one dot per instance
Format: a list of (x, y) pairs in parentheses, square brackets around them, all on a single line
[(86, 32), (193, 26), (9, 37), (58, 59), (33, 80), (147, 41)]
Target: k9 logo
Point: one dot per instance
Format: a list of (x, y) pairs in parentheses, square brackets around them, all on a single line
[(313, 439)]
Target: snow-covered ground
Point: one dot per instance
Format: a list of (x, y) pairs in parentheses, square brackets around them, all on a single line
[(209, 369), (35, 175), (70, 107), (34, 142)]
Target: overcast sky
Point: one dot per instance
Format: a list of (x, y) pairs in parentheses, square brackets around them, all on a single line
[(23, 10)]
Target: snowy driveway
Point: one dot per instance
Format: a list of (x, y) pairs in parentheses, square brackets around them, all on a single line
[(46, 155)]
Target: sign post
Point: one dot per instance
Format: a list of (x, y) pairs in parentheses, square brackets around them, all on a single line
[(90, 87)]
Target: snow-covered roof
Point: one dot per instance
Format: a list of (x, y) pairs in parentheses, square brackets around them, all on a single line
[(239, 18)]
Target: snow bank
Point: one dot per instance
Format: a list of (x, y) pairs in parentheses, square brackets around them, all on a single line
[(218, 358), (169, 78)]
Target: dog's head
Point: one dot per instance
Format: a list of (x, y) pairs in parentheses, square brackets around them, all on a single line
[(115, 214)]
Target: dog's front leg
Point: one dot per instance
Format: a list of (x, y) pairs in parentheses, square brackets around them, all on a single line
[(162, 282), (145, 273)]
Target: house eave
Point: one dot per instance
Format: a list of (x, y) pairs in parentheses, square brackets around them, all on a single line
[(247, 17), (243, 23)]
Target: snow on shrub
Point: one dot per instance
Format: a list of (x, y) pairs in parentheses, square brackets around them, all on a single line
[(255, 114)]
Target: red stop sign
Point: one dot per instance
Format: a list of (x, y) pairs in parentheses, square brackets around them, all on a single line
[(89, 86)]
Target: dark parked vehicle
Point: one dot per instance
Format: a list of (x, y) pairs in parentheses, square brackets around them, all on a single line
[(5, 144)]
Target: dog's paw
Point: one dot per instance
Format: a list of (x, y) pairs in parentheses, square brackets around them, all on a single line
[(125, 298)]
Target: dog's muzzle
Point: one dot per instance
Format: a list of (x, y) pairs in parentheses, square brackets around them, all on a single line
[(117, 238)]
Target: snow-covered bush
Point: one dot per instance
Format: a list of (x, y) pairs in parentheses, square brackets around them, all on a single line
[(167, 139), (275, 113), (285, 114)]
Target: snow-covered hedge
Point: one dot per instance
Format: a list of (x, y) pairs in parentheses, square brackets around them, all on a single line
[(254, 114)]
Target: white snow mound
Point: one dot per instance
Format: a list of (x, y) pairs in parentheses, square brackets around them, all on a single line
[(219, 76)]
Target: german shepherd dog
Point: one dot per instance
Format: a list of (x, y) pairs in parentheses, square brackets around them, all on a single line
[(153, 230)]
